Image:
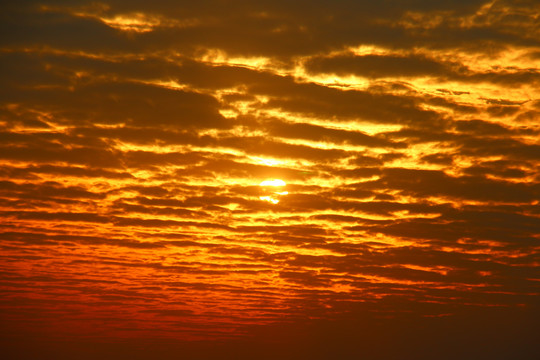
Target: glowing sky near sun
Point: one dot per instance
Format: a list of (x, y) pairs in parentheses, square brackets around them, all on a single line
[(322, 179)]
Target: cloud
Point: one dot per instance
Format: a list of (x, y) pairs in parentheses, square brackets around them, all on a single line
[(319, 133), (135, 136), (424, 183), (136, 104), (376, 66)]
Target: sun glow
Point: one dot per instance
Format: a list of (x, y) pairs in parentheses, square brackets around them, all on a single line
[(275, 182), (269, 199), (185, 177), (266, 161), (274, 195)]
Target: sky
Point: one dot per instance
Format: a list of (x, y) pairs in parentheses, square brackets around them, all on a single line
[(270, 179)]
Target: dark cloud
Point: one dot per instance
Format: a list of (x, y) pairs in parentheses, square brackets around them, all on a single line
[(46, 190), (442, 159), (58, 216), (79, 156), (323, 102), (425, 183), (376, 66), (508, 172), (74, 171), (119, 103), (507, 147), (319, 133), (416, 65)]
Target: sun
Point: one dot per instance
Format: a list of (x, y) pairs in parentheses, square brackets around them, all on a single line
[(275, 182), (270, 188)]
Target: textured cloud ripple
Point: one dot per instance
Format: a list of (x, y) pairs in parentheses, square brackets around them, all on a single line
[(270, 179)]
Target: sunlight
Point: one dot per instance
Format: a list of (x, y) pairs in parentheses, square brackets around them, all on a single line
[(269, 199), (273, 197), (275, 182)]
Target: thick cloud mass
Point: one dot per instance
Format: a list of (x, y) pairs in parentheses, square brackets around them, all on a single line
[(141, 141)]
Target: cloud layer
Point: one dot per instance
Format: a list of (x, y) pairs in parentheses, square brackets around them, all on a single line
[(135, 136)]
